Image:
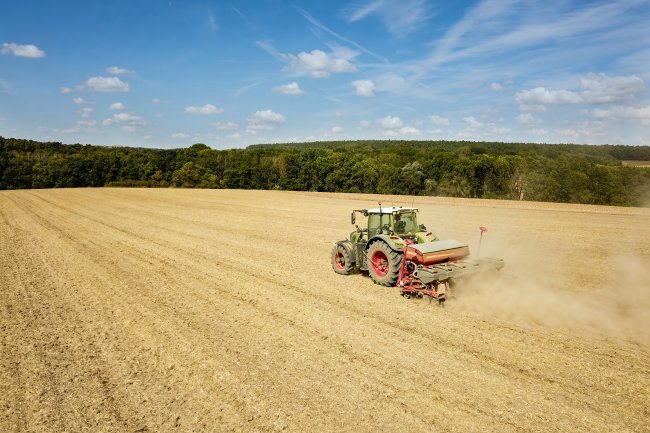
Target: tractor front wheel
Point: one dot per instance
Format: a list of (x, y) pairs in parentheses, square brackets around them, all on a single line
[(341, 260), (383, 263)]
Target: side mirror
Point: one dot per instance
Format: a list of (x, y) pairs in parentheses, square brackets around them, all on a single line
[(353, 218)]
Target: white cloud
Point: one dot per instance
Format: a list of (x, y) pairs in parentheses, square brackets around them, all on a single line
[(156, 101), (494, 129), (66, 90), (86, 112), (533, 108), (477, 130), (393, 127), (180, 135), (400, 17), (224, 126), (601, 88), (585, 130), (128, 128), (338, 114), (127, 118), (234, 135), (392, 82), (319, 64), (365, 124), (116, 106), (472, 122), (496, 87), (364, 87), (526, 119), (571, 133), (22, 50), (439, 120), (204, 110), (115, 70), (539, 131), (390, 122), (540, 95), (87, 123), (78, 101), (337, 129), (289, 89), (641, 114), (106, 84), (265, 120), (405, 130)]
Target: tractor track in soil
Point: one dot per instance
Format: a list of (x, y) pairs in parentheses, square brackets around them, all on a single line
[(210, 311)]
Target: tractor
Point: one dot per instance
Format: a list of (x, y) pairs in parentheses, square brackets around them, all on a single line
[(395, 250)]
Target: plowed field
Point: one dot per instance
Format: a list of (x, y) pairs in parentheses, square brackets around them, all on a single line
[(187, 310)]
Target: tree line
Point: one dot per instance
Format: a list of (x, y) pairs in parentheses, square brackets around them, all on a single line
[(521, 171)]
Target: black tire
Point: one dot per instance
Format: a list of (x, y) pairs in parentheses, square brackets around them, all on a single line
[(341, 258), (383, 264)]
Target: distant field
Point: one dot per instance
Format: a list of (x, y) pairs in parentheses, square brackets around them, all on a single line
[(636, 163), (217, 310)]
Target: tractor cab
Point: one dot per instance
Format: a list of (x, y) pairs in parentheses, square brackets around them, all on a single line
[(397, 222)]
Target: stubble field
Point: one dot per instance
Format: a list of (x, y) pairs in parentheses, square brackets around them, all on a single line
[(217, 310)]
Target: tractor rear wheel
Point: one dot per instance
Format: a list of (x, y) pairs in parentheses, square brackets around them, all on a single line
[(383, 263), (341, 260)]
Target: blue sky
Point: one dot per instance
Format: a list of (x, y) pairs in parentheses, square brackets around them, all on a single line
[(170, 73)]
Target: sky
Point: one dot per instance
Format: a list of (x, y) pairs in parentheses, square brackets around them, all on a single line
[(171, 73)]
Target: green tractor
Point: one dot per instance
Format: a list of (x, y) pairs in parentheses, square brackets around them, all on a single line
[(395, 250), (381, 244)]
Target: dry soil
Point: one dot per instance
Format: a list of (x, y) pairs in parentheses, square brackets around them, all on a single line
[(217, 310)]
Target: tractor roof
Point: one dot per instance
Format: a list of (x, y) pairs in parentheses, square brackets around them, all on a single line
[(392, 210)]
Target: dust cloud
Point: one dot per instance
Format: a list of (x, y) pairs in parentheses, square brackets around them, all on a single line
[(531, 290)]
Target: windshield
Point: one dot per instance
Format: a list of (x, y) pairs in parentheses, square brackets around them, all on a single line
[(406, 223)]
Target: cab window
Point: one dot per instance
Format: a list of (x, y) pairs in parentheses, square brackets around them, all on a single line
[(376, 221), (406, 223)]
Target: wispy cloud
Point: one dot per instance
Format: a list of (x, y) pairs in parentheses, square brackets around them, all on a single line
[(400, 17), (542, 43), (439, 120), (212, 22), (502, 25), (116, 70), (338, 36), (224, 126), (244, 89)]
